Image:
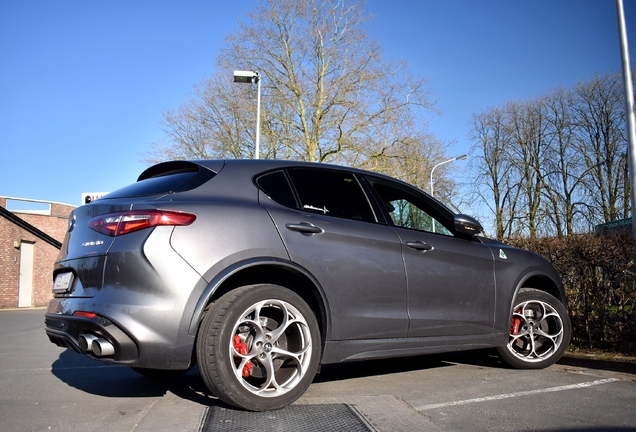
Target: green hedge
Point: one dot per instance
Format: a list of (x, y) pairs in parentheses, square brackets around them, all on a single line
[(599, 275)]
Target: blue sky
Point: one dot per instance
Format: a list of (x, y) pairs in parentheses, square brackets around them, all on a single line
[(83, 84)]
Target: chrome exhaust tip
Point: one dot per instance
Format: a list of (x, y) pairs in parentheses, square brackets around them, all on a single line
[(86, 341), (102, 348)]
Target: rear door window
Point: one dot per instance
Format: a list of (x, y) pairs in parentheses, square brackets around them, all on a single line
[(331, 193)]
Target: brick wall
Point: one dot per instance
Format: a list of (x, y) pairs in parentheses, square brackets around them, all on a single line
[(45, 254)]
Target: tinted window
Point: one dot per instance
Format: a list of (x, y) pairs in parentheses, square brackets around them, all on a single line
[(332, 193), (411, 210), (178, 181), (276, 186)]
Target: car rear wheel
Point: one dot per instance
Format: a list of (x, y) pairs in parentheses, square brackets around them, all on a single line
[(540, 331), (258, 347)]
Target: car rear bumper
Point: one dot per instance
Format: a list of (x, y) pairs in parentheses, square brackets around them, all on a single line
[(126, 334), (66, 331)]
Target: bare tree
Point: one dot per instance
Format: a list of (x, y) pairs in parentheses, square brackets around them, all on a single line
[(496, 178), (328, 95), (556, 164), (217, 122), (527, 129), (599, 111), (565, 170)]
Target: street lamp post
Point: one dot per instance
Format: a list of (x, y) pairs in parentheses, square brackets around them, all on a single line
[(629, 108), (462, 157), (251, 77)]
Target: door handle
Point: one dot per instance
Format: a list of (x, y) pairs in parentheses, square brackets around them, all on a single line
[(304, 227), (419, 245)]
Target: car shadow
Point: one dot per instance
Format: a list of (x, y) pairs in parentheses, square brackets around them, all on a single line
[(116, 381), (361, 369)]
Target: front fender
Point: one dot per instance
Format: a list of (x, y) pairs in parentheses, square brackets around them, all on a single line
[(516, 269)]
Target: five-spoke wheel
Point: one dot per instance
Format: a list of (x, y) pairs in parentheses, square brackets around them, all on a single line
[(259, 347), (539, 331)]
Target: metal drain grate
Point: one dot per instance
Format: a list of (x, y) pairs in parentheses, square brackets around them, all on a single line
[(297, 418)]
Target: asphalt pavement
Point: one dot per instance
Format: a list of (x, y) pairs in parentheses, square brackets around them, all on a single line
[(48, 388)]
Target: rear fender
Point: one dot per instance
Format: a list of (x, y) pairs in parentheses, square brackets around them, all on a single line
[(265, 270)]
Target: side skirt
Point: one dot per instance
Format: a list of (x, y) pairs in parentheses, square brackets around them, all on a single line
[(341, 351)]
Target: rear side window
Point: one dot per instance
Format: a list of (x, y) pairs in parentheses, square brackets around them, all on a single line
[(332, 193), (165, 178), (276, 186)]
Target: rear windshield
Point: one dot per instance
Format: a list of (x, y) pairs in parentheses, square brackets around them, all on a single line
[(166, 181)]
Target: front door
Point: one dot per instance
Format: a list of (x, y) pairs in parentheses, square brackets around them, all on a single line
[(450, 280), (451, 287)]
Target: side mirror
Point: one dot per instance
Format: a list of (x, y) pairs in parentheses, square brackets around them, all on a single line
[(466, 225)]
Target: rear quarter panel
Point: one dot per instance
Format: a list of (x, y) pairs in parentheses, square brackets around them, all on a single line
[(226, 233), (230, 227)]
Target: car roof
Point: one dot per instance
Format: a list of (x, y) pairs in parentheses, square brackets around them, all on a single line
[(255, 166), (260, 165)]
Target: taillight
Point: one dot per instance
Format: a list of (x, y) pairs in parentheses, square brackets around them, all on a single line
[(116, 224), (85, 314)]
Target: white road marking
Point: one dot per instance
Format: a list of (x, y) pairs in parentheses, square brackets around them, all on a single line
[(518, 394)]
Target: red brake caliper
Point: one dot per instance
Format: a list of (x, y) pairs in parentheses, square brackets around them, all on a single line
[(241, 348), (514, 326)]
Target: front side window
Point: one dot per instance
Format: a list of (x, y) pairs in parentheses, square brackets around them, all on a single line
[(332, 193), (410, 210)]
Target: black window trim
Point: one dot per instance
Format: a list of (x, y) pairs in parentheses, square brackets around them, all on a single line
[(381, 215), (368, 194), (332, 169), (438, 211)]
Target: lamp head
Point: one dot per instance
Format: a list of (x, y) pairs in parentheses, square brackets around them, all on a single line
[(249, 77)]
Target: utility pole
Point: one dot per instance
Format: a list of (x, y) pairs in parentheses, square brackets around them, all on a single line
[(629, 108)]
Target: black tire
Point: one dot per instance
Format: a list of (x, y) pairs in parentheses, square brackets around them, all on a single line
[(161, 374), (254, 337), (540, 331)]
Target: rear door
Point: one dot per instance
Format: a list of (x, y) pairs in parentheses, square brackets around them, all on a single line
[(330, 229)]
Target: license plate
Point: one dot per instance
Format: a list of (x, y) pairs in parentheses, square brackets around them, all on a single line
[(63, 282)]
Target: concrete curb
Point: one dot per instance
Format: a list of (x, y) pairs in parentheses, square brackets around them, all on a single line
[(597, 361)]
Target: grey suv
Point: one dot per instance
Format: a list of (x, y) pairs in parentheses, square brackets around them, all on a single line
[(260, 271)]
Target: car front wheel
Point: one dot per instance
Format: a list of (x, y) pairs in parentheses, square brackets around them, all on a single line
[(540, 331), (258, 347)]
